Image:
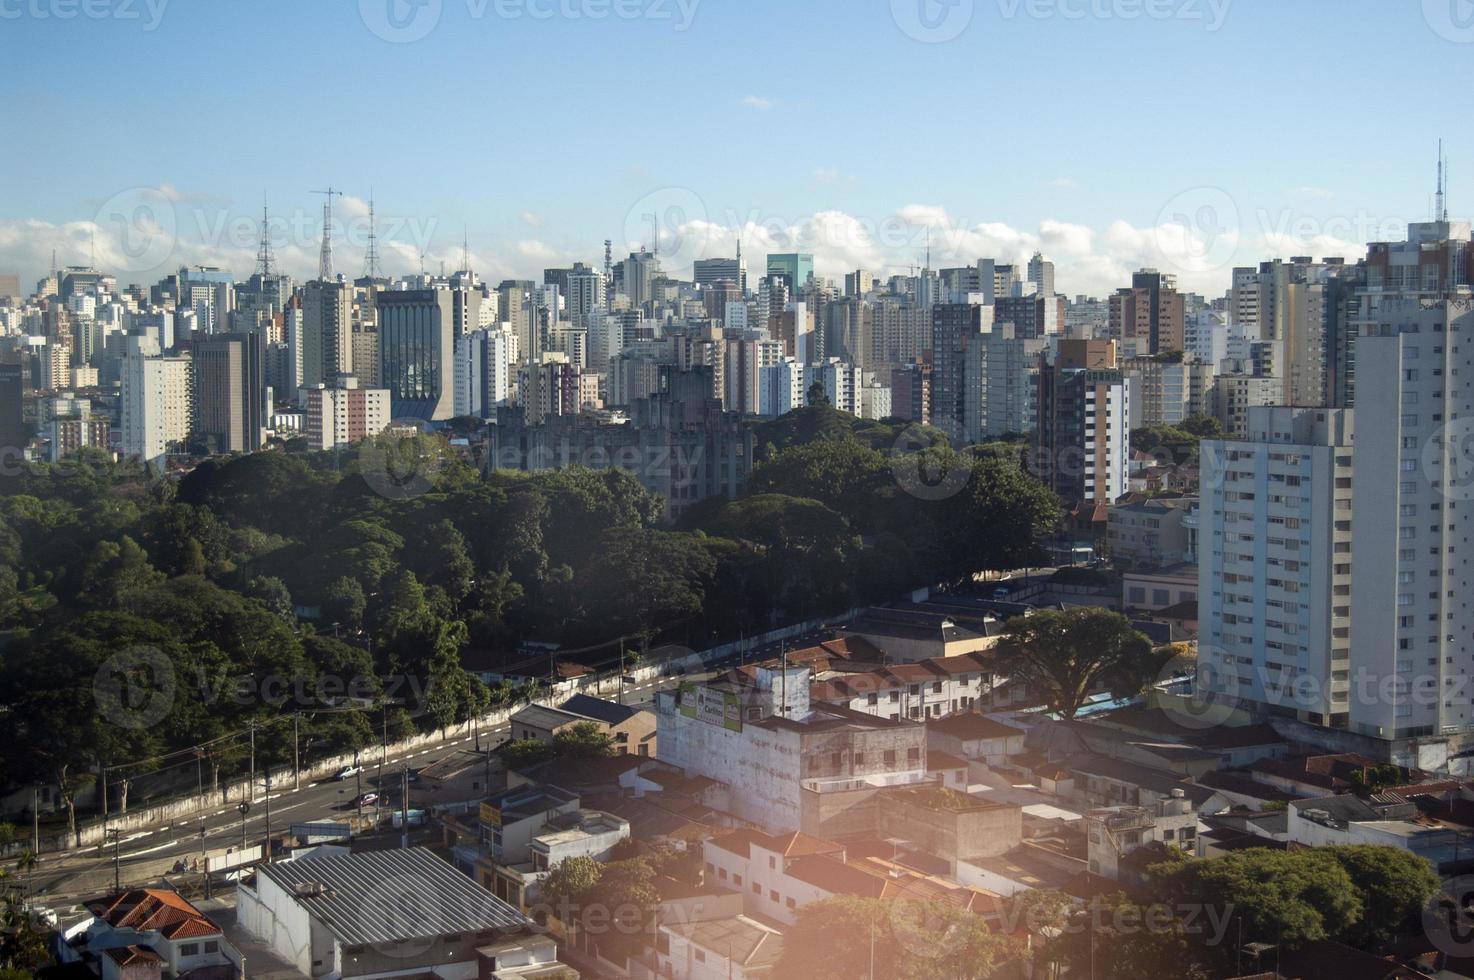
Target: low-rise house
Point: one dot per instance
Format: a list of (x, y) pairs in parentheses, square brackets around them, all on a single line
[(1114, 833), (913, 634), (1152, 591), (146, 934), (1385, 820), (736, 948), (916, 691), (1150, 532), (388, 914), (975, 737)]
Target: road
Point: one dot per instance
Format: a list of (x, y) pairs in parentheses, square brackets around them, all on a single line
[(59, 879)]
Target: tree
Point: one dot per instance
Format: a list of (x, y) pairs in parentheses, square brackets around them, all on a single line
[(568, 883), (272, 593), (817, 397), (1065, 656), (1394, 886), (1279, 897), (344, 603)]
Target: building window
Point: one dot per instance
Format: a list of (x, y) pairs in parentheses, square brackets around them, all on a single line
[(189, 949)]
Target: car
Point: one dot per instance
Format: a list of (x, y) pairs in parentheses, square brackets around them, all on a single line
[(1002, 592), (367, 799), (347, 772)]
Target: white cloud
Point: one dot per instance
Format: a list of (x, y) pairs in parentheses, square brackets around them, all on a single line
[(757, 102), (531, 218), (1064, 184)]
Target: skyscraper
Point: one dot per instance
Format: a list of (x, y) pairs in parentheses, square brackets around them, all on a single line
[(229, 392), (1150, 317), (795, 268), (13, 378), (417, 352), (327, 331), (1041, 274), (956, 329)]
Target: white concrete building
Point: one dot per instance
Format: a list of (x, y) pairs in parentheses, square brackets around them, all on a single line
[(158, 406), (782, 387), (484, 372), (1274, 573), (1412, 628)]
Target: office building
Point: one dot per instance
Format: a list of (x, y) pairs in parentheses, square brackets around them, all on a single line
[(230, 387), (1041, 274), (417, 351), (1002, 384), (709, 272), (794, 268), (14, 378)]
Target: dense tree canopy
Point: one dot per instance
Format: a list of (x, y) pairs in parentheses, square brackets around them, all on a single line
[(274, 585), (1064, 656)]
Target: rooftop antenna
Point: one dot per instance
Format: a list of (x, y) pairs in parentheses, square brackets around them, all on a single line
[(263, 254), (466, 250), (325, 259), (371, 254), (1440, 204), (928, 248)]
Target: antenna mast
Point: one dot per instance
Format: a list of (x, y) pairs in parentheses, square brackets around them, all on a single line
[(325, 259), (1440, 206), (263, 254), (371, 254)]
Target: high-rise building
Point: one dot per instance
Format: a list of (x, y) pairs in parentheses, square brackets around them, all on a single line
[(1169, 390), (858, 283), (585, 291), (1275, 564), (1036, 315), (1149, 317), (709, 272), (344, 413), (794, 268), (327, 331), (1041, 274), (911, 392), (842, 383), (417, 351), (1083, 447), (1002, 393), (230, 387), (956, 329), (484, 365), (1412, 629), (158, 407), (14, 377), (782, 388), (550, 388)]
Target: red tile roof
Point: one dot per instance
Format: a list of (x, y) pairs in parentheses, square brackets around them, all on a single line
[(133, 955), (971, 726), (155, 910)]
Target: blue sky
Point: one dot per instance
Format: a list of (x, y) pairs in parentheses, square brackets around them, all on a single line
[(1083, 127)]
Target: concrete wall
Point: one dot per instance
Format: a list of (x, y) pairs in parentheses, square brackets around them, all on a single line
[(953, 835)]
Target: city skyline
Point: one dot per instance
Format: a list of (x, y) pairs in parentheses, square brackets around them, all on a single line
[(810, 155)]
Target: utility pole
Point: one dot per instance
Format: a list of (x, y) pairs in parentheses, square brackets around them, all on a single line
[(404, 807), (251, 783), (268, 814), (245, 808), (36, 819), (113, 835), (104, 794), (296, 760)]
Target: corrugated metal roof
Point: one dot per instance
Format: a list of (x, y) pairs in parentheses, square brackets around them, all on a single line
[(390, 896)]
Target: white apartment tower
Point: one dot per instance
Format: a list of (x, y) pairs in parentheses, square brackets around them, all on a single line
[(158, 406), (1275, 564)]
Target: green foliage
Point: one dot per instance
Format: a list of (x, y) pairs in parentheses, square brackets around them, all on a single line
[(1065, 656), (580, 742)]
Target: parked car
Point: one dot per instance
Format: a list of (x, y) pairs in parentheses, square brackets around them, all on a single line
[(1002, 592)]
